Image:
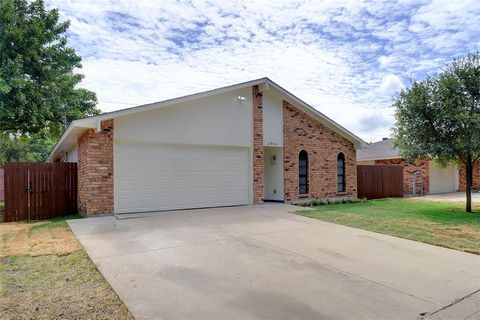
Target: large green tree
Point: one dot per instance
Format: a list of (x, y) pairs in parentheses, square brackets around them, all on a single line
[(39, 76), (439, 117)]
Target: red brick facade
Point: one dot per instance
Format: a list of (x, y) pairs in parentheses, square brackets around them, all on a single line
[(462, 183), (420, 165), (95, 171), (257, 152), (302, 132)]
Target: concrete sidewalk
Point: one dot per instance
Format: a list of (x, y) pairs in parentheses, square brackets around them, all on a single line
[(262, 262), (467, 308)]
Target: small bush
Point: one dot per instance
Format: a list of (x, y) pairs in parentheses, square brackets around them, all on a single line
[(328, 201)]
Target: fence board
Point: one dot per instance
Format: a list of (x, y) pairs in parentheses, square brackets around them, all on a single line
[(39, 191), (379, 181)]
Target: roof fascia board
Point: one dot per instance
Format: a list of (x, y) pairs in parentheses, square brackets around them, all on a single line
[(154, 105), (93, 121), (74, 124), (60, 141), (381, 158), (358, 142)]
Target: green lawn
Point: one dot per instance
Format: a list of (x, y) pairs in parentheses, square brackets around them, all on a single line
[(438, 223)]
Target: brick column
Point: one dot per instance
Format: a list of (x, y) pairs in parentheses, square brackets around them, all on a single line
[(462, 177), (95, 171), (257, 151)]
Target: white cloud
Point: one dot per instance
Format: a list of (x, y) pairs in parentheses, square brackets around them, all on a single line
[(384, 60), (391, 84), (346, 58)]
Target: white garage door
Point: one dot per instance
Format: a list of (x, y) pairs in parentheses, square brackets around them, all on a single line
[(443, 180), (151, 177)]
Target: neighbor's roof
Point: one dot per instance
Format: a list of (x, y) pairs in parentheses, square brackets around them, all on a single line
[(383, 149), (77, 127)]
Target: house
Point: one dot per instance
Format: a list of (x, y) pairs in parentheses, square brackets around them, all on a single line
[(242, 144), (423, 176)]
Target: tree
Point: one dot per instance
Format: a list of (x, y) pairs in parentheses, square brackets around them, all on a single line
[(38, 72), (439, 117), (25, 147)]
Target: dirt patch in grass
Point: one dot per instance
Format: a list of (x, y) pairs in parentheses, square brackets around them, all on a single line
[(56, 287), (36, 239), (45, 274)]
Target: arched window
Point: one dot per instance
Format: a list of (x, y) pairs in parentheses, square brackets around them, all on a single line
[(303, 172), (341, 172)]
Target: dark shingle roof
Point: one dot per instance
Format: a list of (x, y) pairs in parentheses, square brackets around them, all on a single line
[(378, 150)]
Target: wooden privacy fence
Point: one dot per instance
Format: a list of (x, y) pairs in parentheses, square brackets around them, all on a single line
[(379, 181), (37, 191)]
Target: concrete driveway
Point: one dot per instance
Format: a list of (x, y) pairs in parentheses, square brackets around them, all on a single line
[(450, 197), (263, 262)]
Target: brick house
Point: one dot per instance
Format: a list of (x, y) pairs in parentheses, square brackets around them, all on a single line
[(423, 175), (237, 145)]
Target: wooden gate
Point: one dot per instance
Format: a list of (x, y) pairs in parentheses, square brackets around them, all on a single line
[(37, 191), (379, 181)]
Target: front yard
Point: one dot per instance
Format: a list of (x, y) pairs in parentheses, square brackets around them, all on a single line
[(438, 223), (45, 274)]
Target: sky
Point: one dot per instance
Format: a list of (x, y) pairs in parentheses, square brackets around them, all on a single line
[(345, 58)]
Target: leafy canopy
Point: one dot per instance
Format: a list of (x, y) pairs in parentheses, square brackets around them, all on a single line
[(39, 81), (28, 148), (439, 117)]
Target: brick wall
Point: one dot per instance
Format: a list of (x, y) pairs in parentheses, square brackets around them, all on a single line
[(95, 170), (462, 183), (257, 151), (301, 132), (409, 168)]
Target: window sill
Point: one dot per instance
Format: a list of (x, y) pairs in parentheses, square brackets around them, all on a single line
[(342, 193), (303, 195)]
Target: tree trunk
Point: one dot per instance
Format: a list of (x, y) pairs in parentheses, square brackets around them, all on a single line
[(468, 190)]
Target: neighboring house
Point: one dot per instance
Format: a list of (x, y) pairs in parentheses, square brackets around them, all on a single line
[(422, 176), (236, 145)]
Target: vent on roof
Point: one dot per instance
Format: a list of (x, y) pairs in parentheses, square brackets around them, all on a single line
[(384, 139)]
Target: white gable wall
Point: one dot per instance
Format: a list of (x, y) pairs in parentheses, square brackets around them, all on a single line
[(273, 176), (273, 142), (272, 119), (72, 154), (216, 120)]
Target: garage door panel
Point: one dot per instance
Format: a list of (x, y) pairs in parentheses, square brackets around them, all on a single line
[(165, 177), (175, 202), (443, 180)]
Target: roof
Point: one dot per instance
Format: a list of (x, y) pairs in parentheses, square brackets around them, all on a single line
[(383, 149), (77, 127)]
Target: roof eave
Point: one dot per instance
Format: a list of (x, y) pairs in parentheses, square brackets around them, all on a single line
[(380, 158), (357, 141), (76, 124), (92, 122)]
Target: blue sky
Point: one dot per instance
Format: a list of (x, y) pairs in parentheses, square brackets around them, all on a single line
[(345, 58)]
